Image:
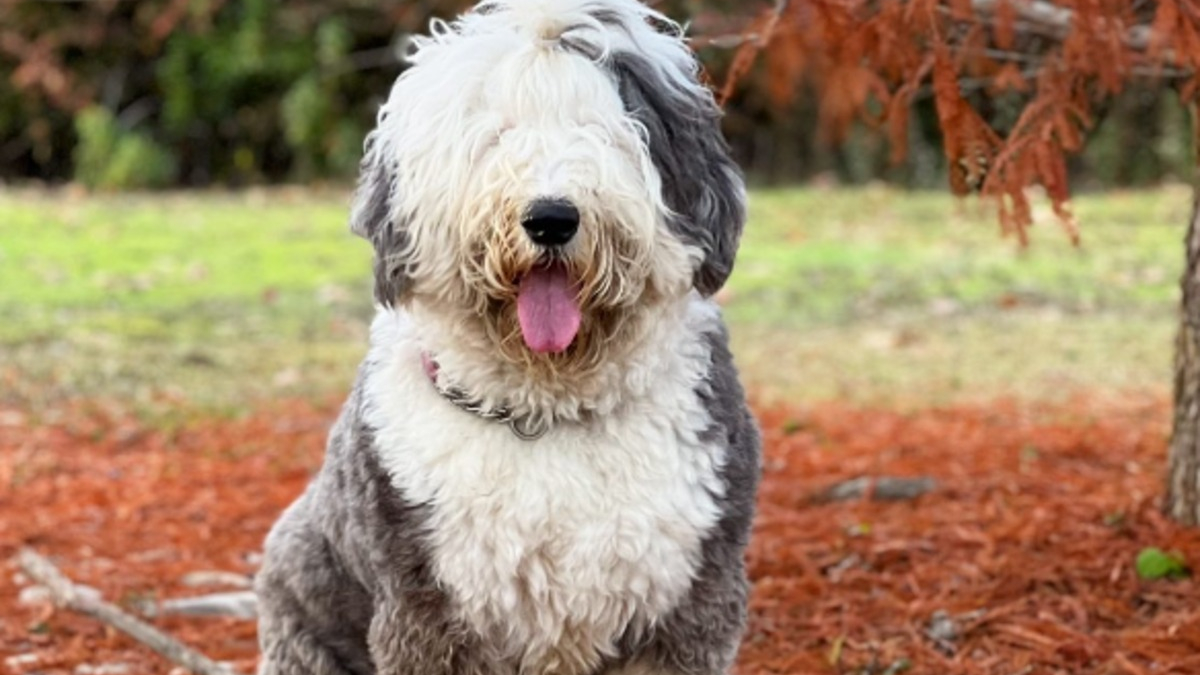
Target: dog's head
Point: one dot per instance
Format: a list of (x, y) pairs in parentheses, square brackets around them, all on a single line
[(544, 171)]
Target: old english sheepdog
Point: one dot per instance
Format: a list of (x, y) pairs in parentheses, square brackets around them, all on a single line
[(547, 465)]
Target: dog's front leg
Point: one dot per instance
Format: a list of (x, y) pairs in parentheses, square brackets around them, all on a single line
[(702, 635), (414, 635)]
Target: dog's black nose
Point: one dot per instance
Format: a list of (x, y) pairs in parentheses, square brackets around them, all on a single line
[(551, 222)]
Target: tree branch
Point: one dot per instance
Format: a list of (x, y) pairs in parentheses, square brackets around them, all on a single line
[(1035, 11), (1051, 19), (1058, 19), (735, 40), (66, 595)]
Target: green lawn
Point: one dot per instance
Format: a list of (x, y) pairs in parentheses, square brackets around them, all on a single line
[(218, 300), (902, 298)]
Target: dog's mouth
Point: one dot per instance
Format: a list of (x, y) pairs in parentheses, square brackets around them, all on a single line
[(548, 308)]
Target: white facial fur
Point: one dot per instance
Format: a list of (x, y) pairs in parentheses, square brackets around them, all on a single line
[(494, 113)]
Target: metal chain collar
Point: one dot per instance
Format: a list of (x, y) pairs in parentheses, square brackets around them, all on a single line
[(522, 426)]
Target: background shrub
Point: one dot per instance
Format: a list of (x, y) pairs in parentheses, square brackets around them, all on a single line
[(200, 92)]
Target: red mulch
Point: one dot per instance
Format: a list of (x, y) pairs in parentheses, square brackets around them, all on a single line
[(1028, 542)]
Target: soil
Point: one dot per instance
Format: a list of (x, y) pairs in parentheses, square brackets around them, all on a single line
[(1021, 559)]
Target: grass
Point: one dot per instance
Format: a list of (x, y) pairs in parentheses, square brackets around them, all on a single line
[(216, 300), (211, 299), (901, 298), (833, 256)]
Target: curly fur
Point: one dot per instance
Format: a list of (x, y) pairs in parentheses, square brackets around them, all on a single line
[(435, 542)]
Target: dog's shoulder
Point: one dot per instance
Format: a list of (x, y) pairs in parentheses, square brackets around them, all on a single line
[(352, 514)]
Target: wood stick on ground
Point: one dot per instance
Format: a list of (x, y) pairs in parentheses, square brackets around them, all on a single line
[(881, 488), (237, 605), (64, 593)]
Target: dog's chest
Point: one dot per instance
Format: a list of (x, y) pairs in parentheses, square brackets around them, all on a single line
[(553, 549)]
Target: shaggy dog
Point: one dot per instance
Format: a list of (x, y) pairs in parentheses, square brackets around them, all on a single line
[(546, 465)]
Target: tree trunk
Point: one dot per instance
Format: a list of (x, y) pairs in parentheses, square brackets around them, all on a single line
[(1183, 479)]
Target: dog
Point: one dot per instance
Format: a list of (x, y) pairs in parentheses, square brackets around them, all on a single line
[(546, 465)]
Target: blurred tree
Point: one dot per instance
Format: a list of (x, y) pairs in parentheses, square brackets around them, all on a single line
[(1017, 85), (239, 91), (233, 90)]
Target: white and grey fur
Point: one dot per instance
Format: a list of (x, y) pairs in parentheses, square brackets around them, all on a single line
[(435, 542)]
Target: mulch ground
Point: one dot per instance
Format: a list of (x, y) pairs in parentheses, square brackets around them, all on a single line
[(1021, 560)]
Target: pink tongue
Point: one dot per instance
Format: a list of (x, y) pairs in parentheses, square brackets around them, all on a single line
[(547, 309)]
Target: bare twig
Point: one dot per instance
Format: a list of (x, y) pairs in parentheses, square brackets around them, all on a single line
[(735, 40), (1034, 11), (217, 578), (1058, 19), (235, 605), (66, 595), (726, 41)]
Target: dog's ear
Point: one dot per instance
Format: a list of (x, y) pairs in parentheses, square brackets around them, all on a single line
[(373, 218), (701, 183)]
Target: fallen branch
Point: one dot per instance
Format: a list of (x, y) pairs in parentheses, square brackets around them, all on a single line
[(883, 488), (65, 595), (236, 605), (217, 578)]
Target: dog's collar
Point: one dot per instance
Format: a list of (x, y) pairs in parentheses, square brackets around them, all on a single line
[(524, 427)]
